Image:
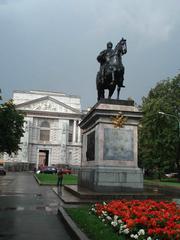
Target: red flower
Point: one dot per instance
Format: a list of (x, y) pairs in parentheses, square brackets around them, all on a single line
[(159, 219), (130, 223)]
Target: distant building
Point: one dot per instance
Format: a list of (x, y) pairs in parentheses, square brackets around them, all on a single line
[(52, 135)]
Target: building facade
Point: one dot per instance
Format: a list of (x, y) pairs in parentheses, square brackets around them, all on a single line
[(52, 135)]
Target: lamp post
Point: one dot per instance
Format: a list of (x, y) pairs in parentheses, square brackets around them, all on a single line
[(171, 115)]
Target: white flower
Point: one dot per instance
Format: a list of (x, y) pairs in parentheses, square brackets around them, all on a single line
[(149, 238), (114, 224), (109, 218), (104, 203), (135, 236), (104, 213), (126, 230), (121, 227), (120, 221), (115, 217), (141, 232), (124, 226)]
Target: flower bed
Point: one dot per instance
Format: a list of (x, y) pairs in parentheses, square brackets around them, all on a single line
[(144, 220)]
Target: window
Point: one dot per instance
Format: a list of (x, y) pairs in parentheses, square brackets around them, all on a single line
[(70, 135), (45, 131)]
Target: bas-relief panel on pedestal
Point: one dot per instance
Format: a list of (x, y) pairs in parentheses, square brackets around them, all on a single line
[(90, 154), (118, 144)]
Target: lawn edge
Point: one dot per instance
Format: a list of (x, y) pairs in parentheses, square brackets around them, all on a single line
[(154, 184), (71, 225), (37, 180)]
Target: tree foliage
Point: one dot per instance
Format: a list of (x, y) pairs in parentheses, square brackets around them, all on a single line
[(11, 128), (158, 134)]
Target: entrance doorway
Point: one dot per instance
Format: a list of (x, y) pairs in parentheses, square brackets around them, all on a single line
[(43, 158)]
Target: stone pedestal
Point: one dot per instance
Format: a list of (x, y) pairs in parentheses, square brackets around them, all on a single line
[(109, 153)]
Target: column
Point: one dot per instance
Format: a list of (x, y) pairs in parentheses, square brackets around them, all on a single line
[(37, 158), (79, 133), (74, 131)]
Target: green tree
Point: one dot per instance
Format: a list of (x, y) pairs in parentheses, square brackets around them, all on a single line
[(11, 128), (158, 134), (0, 95)]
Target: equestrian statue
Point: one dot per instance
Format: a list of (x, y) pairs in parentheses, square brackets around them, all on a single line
[(111, 71)]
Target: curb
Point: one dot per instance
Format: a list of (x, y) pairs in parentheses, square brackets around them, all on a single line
[(165, 189), (37, 180), (70, 224)]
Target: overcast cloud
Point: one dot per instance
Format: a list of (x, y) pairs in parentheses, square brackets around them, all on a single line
[(53, 44)]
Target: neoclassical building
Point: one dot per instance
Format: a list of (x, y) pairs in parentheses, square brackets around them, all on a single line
[(52, 135)]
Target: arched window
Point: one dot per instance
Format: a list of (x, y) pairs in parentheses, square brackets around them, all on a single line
[(45, 131)]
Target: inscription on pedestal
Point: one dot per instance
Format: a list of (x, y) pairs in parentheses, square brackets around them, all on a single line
[(118, 144)]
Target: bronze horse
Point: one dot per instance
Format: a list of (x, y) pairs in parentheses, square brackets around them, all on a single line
[(113, 72)]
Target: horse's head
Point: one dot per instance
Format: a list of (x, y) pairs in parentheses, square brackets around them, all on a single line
[(123, 46)]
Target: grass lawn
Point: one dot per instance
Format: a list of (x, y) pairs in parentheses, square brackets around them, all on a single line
[(51, 179), (163, 182), (92, 226)]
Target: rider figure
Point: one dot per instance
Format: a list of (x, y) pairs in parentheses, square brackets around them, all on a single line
[(103, 58)]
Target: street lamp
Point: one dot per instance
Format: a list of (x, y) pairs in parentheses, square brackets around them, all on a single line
[(167, 114)]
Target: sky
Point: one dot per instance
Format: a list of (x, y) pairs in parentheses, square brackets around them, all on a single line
[(53, 44)]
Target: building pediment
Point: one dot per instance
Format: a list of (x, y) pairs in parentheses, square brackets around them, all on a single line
[(46, 104)]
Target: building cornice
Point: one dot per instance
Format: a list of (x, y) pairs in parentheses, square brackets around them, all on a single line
[(50, 93), (46, 114)]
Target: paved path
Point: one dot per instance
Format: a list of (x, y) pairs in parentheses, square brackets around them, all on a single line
[(29, 211)]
